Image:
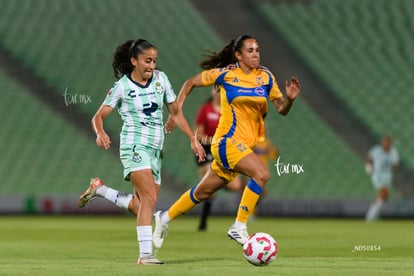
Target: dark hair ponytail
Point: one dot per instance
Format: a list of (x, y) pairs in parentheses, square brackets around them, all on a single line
[(225, 56), (121, 62)]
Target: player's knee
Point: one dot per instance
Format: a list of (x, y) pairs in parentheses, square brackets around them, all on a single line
[(203, 193), (262, 177), (383, 193), (149, 200)]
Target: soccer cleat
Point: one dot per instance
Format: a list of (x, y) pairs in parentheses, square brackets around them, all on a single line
[(240, 235), (149, 260), (160, 231), (90, 193)]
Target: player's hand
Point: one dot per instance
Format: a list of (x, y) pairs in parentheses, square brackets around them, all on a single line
[(198, 149), (293, 88), (368, 168), (103, 141), (169, 125)]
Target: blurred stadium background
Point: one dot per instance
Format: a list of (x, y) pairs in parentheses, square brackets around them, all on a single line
[(355, 61)]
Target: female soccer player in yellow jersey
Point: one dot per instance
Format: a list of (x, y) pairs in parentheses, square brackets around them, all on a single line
[(245, 87)]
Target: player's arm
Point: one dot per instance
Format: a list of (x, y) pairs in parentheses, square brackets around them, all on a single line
[(102, 139), (369, 164), (200, 132), (200, 123), (395, 161), (187, 87), (177, 116), (283, 104)]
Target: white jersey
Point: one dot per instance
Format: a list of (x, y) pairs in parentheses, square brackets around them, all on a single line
[(382, 164), (141, 108)]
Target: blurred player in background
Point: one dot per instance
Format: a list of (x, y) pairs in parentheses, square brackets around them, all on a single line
[(245, 87), (381, 162), (139, 94)]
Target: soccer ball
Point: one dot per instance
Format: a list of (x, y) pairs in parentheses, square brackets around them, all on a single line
[(260, 249)]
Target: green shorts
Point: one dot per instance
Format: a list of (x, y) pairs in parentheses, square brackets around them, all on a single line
[(138, 157)]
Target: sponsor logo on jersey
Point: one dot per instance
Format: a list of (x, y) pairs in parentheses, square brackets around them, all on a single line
[(146, 94), (150, 108), (259, 91), (244, 90), (132, 94)]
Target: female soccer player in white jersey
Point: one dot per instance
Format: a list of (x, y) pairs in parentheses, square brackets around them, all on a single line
[(139, 94), (381, 162)]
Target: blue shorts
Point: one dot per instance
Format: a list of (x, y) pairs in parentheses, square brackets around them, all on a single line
[(139, 157)]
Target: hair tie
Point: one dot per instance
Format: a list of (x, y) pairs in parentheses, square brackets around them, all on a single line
[(134, 45)]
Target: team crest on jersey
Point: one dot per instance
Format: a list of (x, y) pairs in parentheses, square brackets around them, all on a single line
[(158, 87), (136, 157), (241, 147), (260, 80)]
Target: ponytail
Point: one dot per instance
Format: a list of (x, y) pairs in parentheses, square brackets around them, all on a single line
[(225, 56)]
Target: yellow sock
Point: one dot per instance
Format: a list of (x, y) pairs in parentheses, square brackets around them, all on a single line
[(248, 201), (184, 204)]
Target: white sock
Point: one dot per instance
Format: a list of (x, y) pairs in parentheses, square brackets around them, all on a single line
[(118, 198), (374, 210), (144, 235), (165, 219), (101, 191), (238, 224)]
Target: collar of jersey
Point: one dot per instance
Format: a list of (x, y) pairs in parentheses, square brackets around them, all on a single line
[(138, 84)]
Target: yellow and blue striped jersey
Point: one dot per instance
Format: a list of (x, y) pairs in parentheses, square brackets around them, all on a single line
[(243, 101)]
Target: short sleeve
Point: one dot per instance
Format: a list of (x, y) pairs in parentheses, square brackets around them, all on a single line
[(274, 92), (113, 97), (395, 159), (209, 77), (169, 96)]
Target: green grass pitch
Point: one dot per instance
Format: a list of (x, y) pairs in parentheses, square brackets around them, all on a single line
[(107, 245)]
